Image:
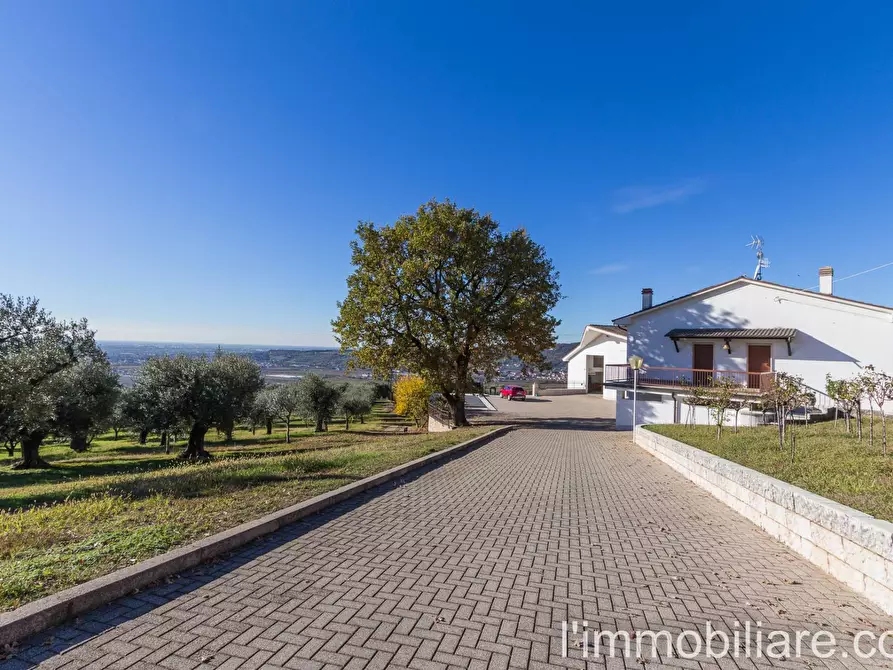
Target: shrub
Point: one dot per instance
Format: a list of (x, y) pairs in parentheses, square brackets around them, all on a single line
[(411, 395)]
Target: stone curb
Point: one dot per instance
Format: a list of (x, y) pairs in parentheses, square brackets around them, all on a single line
[(41, 614)]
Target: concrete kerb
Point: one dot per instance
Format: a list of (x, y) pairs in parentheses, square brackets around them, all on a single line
[(41, 614)]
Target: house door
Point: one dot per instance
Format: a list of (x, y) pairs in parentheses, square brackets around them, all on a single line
[(595, 374), (702, 362), (759, 360)]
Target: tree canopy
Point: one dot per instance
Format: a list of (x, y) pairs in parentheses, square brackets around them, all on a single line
[(34, 348), (200, 392), (444, 293), (85, 401)]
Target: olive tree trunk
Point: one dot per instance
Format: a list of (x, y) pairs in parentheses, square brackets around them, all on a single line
[(269, 426), (195, 446), (31, 452), (79, 442)]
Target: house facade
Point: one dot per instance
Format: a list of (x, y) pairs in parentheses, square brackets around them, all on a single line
[(745, 330), (599, 346)]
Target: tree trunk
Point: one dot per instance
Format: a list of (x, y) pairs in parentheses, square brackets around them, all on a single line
[(346, 422), (195, 447), (361, 419), (31, 452), (870, 422), (288, 429), (269, 426), (11, 447), (165, 442), (79, 442), (859, 418), (116, 433), (884, 430), (456, 401), (320, 425), (144, 435), (227, 427)]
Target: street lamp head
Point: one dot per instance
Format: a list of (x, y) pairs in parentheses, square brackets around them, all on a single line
[(636, 362)]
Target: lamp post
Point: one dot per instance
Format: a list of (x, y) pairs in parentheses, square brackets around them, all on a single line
[(635, 364)]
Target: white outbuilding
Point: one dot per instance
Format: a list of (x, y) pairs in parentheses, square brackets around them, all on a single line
[(599, 346)]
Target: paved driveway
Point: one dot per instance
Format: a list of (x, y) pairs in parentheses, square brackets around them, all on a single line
[(476, 564), (556, 408)]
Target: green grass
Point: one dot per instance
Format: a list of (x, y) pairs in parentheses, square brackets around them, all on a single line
[(827, 461), (120, 503)]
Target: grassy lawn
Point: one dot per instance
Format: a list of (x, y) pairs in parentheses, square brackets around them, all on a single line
[(827, 460), (121, 502)]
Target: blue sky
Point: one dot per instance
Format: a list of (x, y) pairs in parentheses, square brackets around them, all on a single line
[(193, 171)]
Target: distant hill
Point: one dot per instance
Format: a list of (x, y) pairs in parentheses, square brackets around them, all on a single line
[(554, 355), (135, 354)]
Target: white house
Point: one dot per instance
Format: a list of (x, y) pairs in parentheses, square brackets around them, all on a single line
[(746, 329), (599, 346)]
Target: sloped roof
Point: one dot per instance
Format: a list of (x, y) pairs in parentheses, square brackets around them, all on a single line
[(610, 331), (756, 282), (616, 330), (732, 333)]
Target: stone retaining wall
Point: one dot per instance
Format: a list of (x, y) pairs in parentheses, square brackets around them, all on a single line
[(852, 546)]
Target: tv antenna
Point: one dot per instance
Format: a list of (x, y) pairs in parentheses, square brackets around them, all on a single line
[(756, 242)]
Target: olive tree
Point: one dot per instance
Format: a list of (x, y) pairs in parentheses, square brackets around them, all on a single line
[(264, 410), (319, 400), (287, 402), (137, 406), (86, 395), (202, 393), (35, 348), (356, 403), (240, 380), (443, 293)]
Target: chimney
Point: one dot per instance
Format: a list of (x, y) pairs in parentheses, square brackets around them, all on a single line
[(826, 280), (647, 295)]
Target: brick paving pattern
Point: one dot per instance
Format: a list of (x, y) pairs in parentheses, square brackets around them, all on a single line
[(475, 564)]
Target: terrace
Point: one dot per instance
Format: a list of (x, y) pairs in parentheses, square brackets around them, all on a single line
[(751, 383)]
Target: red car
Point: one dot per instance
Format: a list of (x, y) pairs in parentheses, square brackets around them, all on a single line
[(513, 393)]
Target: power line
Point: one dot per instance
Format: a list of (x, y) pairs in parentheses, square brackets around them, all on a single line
[(864, 272)]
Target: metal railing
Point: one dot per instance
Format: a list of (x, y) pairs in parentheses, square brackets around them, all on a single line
[(439, 410), (750, 382)]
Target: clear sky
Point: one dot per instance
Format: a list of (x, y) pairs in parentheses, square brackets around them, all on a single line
[(193, 171)]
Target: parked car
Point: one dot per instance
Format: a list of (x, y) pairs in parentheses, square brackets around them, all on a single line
[(513, 393)]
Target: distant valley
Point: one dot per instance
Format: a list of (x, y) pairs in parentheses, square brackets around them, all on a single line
[(283, 363)]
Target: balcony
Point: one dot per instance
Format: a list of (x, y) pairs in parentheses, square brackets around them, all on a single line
[(751, 383)]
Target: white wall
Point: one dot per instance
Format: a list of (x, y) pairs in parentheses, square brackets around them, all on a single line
[(832, 337), (612, 348), (665, 411)]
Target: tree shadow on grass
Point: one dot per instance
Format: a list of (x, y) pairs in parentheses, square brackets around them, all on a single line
[(136, 611), (64, 471)]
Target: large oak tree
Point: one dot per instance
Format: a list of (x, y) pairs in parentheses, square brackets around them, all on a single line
[(444, 293)]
